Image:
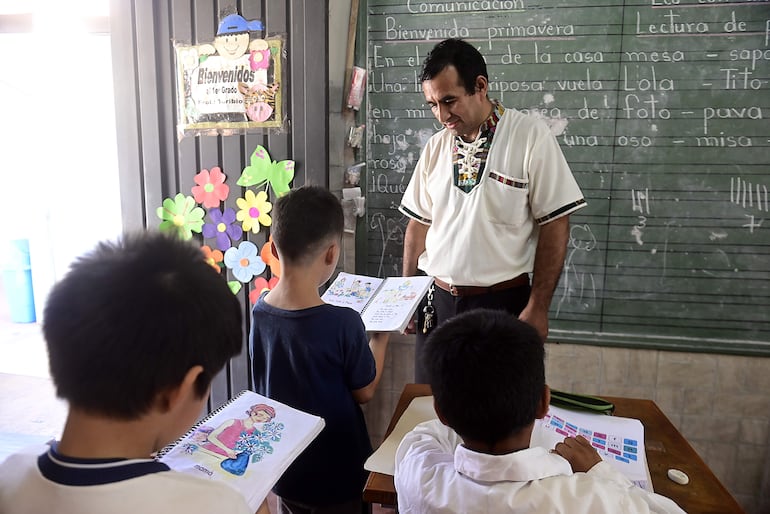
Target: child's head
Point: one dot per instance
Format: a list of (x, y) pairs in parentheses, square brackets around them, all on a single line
[(131, 318), (487, 374), (306, 222)]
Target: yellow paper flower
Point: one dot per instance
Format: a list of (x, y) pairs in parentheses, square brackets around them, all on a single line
[(253, 211)]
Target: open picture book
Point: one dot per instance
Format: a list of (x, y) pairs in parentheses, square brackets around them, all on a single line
[(619, 441), (386, 305), (247, 443)]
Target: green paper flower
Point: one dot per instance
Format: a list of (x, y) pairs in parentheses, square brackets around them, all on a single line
[(181, 216)]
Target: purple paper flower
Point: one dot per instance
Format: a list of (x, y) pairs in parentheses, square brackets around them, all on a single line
[(223, 228)]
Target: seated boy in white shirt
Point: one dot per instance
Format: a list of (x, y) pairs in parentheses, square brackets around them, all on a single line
[(487, 374)]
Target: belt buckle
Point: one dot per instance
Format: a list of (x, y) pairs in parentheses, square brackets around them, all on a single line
[(453, 290)]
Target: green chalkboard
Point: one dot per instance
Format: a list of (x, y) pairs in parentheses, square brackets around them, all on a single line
[(660, 108)]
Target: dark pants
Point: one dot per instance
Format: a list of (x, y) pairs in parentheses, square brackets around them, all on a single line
[(352, 507), (446, 306)]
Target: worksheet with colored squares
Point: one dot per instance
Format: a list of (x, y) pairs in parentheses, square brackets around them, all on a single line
[(619, 441)]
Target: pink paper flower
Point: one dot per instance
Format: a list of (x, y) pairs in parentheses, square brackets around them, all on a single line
[(211, 188), (259, 59), (260, 286)]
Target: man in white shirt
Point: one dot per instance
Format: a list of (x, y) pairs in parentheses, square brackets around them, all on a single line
[(488, 382), (488, 202)]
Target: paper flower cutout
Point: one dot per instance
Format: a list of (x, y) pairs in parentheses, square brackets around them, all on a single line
[(234, 286), (181, 216), (259, 59), (264, 170), (270, 259), (188, 58), (253, 211), (244, 261), (260, 286), (212, 257), (222, 227), (211, 188)]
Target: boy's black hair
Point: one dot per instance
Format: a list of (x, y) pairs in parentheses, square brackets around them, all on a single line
[(130, 319), (487, 373), (468, 62), (304, 221)]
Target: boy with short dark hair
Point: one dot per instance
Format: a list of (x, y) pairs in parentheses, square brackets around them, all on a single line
[(135, 332), (487, 375), (314, 356)]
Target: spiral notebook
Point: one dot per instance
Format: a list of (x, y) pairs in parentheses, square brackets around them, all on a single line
[(246, 443)]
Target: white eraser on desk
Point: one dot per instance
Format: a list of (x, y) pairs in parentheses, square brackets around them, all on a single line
[(678, 476)]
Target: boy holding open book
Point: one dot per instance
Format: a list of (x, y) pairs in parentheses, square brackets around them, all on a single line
[(314, 357), (487, 375), (135, 333)]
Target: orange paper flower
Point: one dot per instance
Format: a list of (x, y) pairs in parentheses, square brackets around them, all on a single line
[(270, 259), (212, 257)]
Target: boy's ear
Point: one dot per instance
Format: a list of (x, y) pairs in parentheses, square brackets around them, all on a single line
[(274, 250), (545, 401), (331, 254), (170, 399)]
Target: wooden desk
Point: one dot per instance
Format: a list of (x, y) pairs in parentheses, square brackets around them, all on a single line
[(666, 448)]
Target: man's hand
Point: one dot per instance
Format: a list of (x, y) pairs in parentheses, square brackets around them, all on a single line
[(411, 326), (579, 453), (537, 318)]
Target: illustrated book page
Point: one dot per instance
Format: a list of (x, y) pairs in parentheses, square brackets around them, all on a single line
[(386, 305), (247, 443), (619, 441)]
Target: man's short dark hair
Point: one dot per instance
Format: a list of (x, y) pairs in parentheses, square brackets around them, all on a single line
[(468, 62), (132, 317), (487, 373), (304, 221)]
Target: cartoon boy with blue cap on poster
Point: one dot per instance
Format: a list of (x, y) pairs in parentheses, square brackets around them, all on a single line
[(233, 37), (227, 72)]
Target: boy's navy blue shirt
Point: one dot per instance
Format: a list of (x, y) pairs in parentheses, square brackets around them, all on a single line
[(311, 359)]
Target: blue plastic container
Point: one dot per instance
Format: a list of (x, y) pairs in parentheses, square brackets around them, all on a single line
[(17, 280)]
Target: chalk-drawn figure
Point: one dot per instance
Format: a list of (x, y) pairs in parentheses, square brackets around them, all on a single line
[(237, 442), (391, 230), (578, 286)]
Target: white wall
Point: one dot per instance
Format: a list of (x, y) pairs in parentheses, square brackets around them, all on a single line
[(59, 163)]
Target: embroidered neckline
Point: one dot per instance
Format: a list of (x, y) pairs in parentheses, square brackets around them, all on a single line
[(469, 158)]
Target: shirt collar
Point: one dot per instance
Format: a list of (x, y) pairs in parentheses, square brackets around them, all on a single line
[(83, 472), (521, 466)]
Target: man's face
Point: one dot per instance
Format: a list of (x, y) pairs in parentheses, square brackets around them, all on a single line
[(451, 104)]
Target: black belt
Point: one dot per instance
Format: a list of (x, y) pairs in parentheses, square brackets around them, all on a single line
[(521, 280)]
